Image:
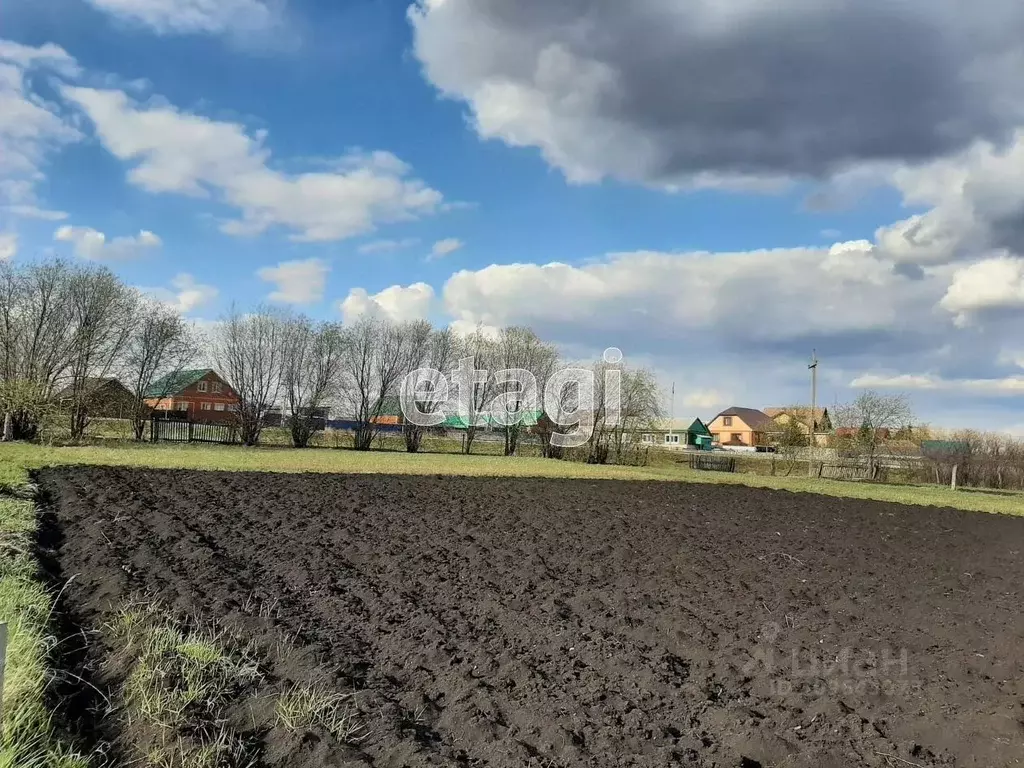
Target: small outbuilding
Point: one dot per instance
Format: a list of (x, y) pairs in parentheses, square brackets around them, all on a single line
[(678, 434), (105, 398)]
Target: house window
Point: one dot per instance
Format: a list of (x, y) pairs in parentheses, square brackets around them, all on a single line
[(672, 439), (218, 406), (202, 386), (217, 387), (182, 406), (207, 406), (736, 437), (727, 421)]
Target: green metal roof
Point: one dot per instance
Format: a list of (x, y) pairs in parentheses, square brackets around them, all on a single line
[(530, 419), (699, 428), (175, 382)]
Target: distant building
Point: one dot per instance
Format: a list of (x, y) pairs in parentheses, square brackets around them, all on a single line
[(105, 398), (742, 428), (800, 416), (678, 434), (200, 396)]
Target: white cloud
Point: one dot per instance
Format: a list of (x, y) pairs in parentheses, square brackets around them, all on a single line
[(759, 296), (398, 303), (192, 16), (387, 246), (30, 127), (445, 247), (8, 245), (185, 294), (704, 400), (1009, 385), (93, 245), (297, 282), (188, 154), (994, 283), (48, 56), (35, 212), (468, 328)]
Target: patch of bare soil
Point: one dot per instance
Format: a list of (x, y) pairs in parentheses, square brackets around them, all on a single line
[(482, 622)]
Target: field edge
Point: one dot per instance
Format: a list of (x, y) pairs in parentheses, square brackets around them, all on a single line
[(30, 736)]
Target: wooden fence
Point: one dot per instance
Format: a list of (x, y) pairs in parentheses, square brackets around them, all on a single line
[(190, 432), (710, 462)]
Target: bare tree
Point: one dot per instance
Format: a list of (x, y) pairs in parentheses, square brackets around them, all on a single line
[(437, 351), (379, 354), (519, 348), (160, 345), (867, 424), (103, 312), (36, 335), (312, 362), (481, 351), (250, 351), (640, 407)]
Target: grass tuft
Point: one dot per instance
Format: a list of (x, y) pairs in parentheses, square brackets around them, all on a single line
[(310, 706), (183, 681)]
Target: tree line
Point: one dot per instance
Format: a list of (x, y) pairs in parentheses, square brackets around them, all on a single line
[(64, 325)]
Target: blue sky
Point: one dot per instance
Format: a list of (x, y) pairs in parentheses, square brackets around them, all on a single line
[(712, 191)]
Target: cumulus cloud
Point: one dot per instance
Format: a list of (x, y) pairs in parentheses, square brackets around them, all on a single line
[(444, 248), (297, 282), (31, 128), (753, 298), (727, 91), (8, 245), (1010, 385), (93, 245), (387, 246), (398, 303), (974, 201), (177, 152), (994, 283), (185, 294), (192, 16)]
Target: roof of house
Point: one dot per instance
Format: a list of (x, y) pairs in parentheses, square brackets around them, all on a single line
[(530, 419), (92, 384), (752, 417), (173, 383), (800, 411), (681, 425)]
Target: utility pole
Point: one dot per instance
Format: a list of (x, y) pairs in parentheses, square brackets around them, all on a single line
[(812, 443)]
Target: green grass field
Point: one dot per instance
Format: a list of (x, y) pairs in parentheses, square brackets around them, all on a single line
[(16, 458)]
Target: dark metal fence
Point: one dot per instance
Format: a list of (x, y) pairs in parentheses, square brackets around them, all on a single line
[(710, 462), (189, 432)]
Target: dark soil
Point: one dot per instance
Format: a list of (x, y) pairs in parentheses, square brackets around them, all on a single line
[(565, 623)]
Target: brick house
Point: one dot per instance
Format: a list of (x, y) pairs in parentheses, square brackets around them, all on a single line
[(742, 428), (200, 396)]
